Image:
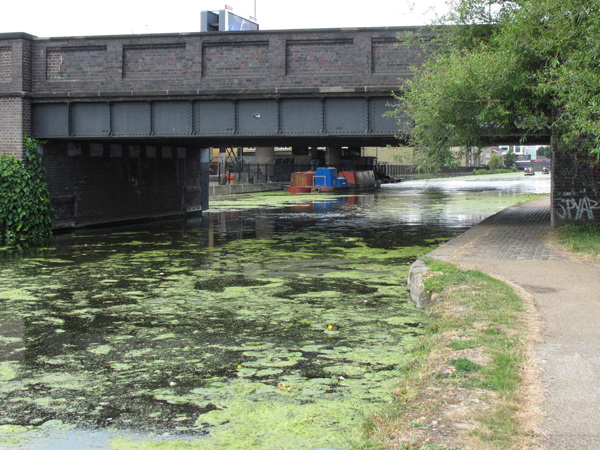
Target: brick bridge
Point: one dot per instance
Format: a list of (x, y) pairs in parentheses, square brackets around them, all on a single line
[(128, 120)]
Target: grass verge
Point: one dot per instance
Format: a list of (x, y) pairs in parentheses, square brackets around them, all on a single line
[(492, 171), (463, 387), (581, 238)]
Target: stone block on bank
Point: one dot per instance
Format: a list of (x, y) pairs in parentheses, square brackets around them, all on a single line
[(417, 275)]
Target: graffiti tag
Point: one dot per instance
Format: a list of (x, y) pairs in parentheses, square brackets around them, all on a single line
[(577, 209)]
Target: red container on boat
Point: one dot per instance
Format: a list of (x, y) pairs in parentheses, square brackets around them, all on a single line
[(350, 176), (301, 182)]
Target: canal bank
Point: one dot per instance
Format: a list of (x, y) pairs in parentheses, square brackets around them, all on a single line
[(563, 372)]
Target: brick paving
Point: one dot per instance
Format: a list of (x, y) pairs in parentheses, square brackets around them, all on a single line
[(516, 233)]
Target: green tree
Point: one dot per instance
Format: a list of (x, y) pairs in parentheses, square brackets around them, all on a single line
[(544, 152), (494, 162), (497, 69), (509, 159)]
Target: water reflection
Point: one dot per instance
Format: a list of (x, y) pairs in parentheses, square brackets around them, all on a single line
[(273, 316)]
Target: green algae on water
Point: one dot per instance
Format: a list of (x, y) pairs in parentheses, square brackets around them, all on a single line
[(225, 336), (159, 338)]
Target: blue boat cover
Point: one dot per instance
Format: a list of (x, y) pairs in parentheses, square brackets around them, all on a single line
[(325, 177)]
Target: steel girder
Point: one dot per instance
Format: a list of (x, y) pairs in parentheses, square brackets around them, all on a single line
[(361, 117)]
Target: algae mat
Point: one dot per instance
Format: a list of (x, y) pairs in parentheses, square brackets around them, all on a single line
[(280, 327)]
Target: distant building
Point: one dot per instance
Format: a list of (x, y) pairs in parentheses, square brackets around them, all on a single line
[(479, 157), (521, 152)]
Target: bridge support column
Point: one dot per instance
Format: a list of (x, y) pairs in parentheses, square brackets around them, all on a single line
[(204, 176), (575, 189), (15, 86), (302, 157), (265, 159), (332, 156), (264, 155), (354, 152)]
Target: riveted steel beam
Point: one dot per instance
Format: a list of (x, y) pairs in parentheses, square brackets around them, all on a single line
[(289, 118)]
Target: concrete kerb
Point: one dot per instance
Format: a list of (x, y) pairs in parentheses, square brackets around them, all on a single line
[(419, 271), (417, 275)]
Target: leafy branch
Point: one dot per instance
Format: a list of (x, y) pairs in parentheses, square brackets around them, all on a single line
[(25, 205)]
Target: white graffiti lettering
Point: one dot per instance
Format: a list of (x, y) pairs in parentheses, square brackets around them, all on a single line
[(577, 209)]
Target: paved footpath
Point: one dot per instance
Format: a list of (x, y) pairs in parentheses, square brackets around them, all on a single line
[(512, 246)]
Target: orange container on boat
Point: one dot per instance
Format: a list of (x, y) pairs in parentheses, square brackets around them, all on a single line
[(301, 182)]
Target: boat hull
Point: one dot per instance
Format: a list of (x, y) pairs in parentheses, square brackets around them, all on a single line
[(326, 180)]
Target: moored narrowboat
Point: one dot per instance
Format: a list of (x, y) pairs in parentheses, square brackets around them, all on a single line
[(326, 179)]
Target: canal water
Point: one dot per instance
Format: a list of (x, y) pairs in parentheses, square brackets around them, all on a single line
[(274, 321)]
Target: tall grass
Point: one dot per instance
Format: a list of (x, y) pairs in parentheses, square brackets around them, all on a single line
[(581, 238)]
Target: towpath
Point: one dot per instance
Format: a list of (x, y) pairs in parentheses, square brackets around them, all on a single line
[(514, 246)]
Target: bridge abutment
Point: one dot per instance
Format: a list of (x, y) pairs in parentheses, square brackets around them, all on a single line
[(575, 189), (15, 92), (100, 183)]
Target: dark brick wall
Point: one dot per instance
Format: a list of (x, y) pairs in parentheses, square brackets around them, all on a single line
[(221, 60), (92, 183), (204, 62), (15, 86), (198, 65), (75, 63), (11, 120), (575, 189), (5, 64)]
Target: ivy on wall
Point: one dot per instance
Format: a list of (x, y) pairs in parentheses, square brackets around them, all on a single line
[(25, 205)]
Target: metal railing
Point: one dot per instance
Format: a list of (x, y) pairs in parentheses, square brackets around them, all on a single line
[(408, 172), (279, 172)]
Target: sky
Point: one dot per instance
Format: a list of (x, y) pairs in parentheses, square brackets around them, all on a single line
[(52, 18)]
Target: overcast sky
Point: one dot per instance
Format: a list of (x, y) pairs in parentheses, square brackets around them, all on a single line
[(49, 18)]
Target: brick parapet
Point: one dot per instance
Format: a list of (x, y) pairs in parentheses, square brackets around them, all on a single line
[(251, 63)]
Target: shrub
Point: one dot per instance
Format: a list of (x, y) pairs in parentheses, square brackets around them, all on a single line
[(494, 162), (25, 205)]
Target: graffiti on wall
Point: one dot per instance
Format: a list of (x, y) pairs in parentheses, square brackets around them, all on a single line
[(575, 188), (577, 208)]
